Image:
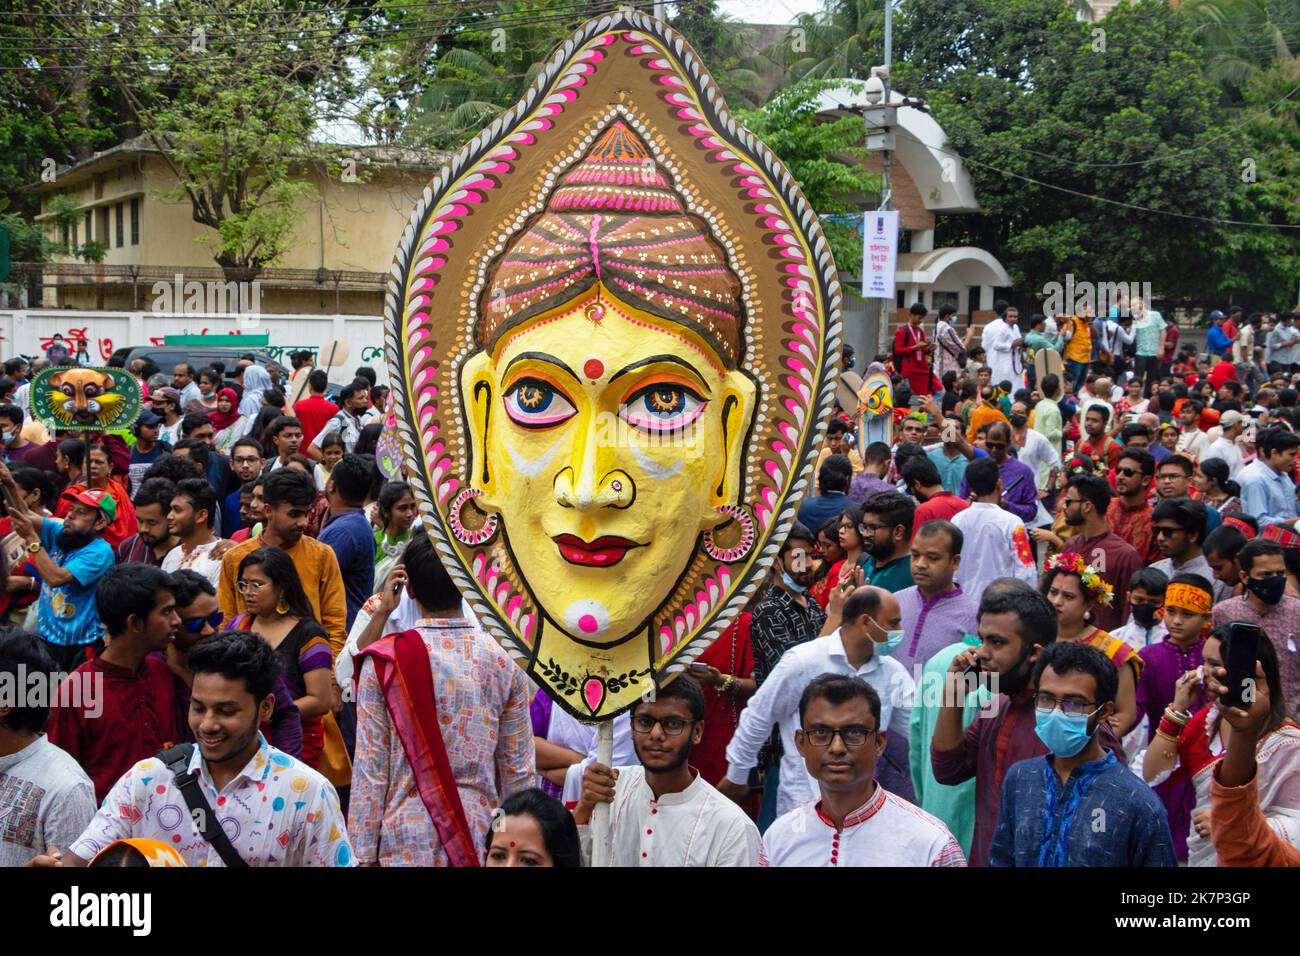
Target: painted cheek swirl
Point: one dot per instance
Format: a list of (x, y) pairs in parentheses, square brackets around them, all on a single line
[(662, 407), (533, 403)]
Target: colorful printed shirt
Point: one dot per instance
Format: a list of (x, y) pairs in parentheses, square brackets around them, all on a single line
[(996, 546), (1134, 526), (482, 700), (277, 811)]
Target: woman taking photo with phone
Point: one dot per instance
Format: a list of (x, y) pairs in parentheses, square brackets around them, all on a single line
[(1192, 744)]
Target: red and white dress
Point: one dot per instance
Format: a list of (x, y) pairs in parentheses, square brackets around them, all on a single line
[(884, 831)]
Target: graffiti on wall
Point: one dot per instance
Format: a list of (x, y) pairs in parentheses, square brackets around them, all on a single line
[(77, 342)]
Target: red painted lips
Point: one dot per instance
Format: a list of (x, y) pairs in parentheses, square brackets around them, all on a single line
[(606, 551)]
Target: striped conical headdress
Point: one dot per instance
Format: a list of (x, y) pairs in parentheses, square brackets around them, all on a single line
[(616, 219)]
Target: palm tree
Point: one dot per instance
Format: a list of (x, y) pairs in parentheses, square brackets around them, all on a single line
[(844, 39), (1241, 36)]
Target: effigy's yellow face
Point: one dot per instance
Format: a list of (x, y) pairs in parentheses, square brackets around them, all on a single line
[(609, 438)]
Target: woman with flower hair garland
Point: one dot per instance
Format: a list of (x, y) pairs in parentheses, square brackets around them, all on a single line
[(1074, 588)]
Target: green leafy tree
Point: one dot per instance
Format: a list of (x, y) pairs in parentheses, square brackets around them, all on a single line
[(1032, 98), (1242, 36), (1260, 267), (824, 157), (230, 94), (53, 110)]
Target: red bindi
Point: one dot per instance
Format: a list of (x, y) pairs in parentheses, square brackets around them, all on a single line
[(512, 842), (593, 368)]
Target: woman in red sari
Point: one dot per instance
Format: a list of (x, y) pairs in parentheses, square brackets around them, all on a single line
[(99, 469), (726, 672), (828, 543)]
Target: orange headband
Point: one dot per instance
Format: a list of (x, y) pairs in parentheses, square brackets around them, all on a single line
[(1188, 598)]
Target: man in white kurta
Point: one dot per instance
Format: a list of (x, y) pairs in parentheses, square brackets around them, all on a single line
[(849, 651), (663, 813), (995, 543), (998, 338), (853, 821)]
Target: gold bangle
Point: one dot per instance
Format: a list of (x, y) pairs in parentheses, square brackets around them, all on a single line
[(1162, 734), (1176, 717)]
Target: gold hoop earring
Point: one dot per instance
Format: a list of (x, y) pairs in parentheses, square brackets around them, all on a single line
[(281, 608)]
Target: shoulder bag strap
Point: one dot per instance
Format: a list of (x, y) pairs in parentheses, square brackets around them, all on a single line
[(177, 760)]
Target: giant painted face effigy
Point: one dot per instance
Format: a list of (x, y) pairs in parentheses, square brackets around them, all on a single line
[(613, 333)]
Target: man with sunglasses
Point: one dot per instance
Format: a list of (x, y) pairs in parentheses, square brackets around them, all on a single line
[(1179, 526), (664, 813), (1084, 506), (854, 821), (199, 617), (1129, 512), (1078, 805)]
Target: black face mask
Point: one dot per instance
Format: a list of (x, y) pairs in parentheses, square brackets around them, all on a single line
[(1145, 614), (1018, 421), (1269, 589)]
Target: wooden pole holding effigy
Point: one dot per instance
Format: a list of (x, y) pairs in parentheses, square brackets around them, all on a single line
[(600, 813)]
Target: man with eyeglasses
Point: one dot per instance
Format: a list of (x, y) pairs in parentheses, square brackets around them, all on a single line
[(1084, 507), (1016, 623), (886, 529), (1077, 805), (246, 461), (1019, 491), (663, 812), (853, 820), (199, 617), (864, 628)]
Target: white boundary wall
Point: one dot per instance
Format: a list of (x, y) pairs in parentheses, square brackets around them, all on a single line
[(23, 332)]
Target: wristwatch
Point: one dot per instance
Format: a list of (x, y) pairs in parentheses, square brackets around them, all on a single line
[(33, 547)]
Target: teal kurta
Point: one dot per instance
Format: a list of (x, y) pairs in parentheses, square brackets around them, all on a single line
[(893, 577), (955, 806)]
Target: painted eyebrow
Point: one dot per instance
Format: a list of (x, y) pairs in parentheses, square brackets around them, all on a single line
[(653, 359), (543, 357)]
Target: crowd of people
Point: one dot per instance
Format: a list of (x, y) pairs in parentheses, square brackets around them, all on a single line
[(1013, 621)]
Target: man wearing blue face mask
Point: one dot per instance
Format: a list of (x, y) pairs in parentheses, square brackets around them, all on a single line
[(1077, 805), (862, 629)]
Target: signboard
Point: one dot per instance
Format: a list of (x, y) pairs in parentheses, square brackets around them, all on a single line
[(879, 254)]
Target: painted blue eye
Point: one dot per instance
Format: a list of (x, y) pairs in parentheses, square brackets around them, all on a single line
[(662, 407), (533, 403)]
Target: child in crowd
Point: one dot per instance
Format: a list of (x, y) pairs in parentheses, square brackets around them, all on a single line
[(1146, 601)]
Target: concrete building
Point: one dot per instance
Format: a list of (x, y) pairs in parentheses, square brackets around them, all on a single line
[(335, 262), (928, 179)]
